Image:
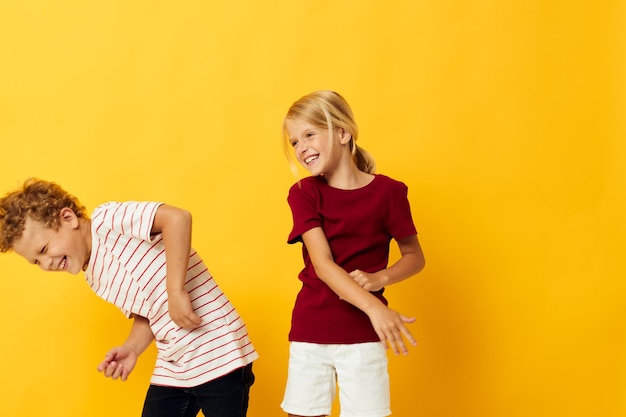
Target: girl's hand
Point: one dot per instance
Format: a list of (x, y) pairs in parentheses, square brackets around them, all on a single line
[(181, 313), (119, 362), (390, 327), (370, 282)]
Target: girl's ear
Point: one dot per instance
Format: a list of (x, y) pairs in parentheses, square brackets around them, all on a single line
[(344, 136)]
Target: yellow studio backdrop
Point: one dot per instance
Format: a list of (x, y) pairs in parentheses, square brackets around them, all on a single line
[(505, 119)]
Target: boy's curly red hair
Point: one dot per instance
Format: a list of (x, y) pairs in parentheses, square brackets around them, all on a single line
[(38, 199)]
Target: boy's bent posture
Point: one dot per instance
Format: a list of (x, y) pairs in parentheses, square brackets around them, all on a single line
[(138, 256)]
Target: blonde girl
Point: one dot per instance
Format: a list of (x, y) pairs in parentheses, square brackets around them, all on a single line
[(345, 215)]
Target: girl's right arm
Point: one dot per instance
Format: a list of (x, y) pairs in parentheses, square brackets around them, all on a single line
[(120, 361), (388, 324)]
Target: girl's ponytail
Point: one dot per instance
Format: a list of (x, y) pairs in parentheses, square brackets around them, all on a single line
[(364, 160)]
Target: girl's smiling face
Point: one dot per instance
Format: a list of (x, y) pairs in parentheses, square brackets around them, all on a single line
[(63, 249), (313, 146)]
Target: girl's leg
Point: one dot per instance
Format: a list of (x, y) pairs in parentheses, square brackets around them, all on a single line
[(169, 402), (311, 382), (363, 380)]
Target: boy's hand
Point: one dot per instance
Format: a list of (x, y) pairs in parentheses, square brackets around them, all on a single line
[(389, 325), (180, 310), (118, 363), (369, 282)]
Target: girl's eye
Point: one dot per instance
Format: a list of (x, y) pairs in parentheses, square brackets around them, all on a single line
[(294, 143)]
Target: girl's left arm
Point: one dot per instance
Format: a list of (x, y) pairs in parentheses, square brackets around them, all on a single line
[(410, 263)]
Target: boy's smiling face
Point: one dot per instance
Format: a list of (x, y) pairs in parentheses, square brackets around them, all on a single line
[(64, 249)]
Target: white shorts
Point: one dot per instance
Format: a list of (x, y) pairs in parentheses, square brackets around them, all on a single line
[(360, 371)]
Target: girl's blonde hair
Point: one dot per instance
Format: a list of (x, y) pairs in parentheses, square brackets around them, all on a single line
[(40, 200), (329, 110)]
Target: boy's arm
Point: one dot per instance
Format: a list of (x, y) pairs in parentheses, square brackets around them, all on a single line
[(140, 335), (174, 224), (388, 324), (120, 361), (410, 263)]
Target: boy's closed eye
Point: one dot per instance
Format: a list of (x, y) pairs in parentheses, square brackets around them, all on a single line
[(41, 252)]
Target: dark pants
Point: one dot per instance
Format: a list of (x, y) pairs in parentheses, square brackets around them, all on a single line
[(226, 396)]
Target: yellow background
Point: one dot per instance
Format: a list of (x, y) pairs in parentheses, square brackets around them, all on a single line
[(504, 118)]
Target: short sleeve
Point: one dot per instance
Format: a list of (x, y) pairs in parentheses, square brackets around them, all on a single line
[(303, 201), (399, 220), (130, 218)]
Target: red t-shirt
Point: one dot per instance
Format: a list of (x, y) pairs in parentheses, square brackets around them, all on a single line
[(359, 225)]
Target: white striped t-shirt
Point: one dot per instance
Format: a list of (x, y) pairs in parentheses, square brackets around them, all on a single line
[(127, 268)]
